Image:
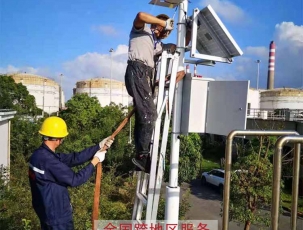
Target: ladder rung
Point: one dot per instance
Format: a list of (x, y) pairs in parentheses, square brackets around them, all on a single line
[(139, 221), (142, 197)]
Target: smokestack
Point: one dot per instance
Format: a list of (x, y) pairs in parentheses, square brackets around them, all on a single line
[(271, 65)]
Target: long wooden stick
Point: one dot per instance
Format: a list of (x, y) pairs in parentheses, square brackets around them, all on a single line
[(99, 172), (180, 76)]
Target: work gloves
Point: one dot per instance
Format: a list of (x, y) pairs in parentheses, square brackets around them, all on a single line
[(100, 155), (104, 144), (169, 24), (107, 142)]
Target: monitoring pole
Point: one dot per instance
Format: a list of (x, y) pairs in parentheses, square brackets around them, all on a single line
[(110, 94), (173, 190), (43, 97), (60, 93), (258, 73)]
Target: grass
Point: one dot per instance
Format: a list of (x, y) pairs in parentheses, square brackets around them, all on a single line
[(208, 165), (286, 201)]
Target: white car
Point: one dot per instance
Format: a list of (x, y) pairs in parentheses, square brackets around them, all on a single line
[(214, 177)]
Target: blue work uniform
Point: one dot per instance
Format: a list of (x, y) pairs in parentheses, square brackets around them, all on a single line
[(50, 174)]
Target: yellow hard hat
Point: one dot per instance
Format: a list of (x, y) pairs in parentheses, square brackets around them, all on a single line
[(54, 127)]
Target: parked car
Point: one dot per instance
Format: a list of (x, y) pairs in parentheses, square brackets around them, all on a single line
[(214, 177)]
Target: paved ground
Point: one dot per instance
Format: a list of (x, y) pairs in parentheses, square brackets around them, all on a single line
[(206, 205)]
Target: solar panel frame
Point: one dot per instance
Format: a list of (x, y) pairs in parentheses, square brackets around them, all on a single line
[(213, 42), (163, 3)]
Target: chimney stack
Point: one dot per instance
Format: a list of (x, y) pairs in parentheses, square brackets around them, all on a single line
[(271, 65)]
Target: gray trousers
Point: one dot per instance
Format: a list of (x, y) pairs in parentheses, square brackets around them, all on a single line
[(139, 83)]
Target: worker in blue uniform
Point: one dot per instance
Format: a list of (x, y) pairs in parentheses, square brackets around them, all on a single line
[(50, 174)]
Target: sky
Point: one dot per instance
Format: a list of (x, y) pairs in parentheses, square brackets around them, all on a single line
[(73, 38)]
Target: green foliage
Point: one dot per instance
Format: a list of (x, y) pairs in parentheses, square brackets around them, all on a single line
[(190, 157), (183, 208), (88, 123), (286, 201), (15, 202), (251, 185), (24, 136), (26, 224), (209, 165), (16, 97), (213, 150)]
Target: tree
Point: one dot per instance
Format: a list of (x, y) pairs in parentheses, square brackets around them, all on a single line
[(24, 136), (190, 157), (16, 97), (251, 190), (88, 123)]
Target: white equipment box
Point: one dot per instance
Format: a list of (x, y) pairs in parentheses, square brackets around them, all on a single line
[(215, 107)]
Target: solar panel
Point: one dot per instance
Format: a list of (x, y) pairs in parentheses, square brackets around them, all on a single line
[(165, 3), (213, 41)]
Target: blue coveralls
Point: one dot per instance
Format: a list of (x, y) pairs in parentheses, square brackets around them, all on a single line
[(50, 175)]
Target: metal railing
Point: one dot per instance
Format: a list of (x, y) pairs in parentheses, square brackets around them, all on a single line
[(276, 178), (276, 114), (276, 187)]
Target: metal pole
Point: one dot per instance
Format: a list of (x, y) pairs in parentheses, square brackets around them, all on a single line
[(110, 94), (295, 186), (228, 162), (258, 73), (173, 190), (276, 187), (130, 131), (60, 96), (43, 98)]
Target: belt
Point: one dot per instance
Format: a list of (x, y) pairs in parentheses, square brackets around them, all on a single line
[(139, 61)]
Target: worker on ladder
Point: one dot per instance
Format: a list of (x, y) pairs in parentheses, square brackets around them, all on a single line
[(144, 44)]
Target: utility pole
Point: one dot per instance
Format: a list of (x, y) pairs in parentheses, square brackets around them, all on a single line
[(60, 92), (173, 189), (110, 93), (43, 97), (258, 73)]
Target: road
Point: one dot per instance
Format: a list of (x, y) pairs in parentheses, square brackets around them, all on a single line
[(206, 205)]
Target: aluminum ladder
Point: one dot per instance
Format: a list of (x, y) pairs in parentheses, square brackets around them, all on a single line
[(149, 185)]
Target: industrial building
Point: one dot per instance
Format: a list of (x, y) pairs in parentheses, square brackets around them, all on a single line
[(278, 102), (5, 126), (106, 90), (45, 90), (275, 103)]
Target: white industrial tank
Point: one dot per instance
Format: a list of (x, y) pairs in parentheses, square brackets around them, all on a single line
[(282, 98), (45, 90), (106, 90)]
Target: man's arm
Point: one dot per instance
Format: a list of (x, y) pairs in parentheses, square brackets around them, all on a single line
[(65, 176), (74, 159), (143, 18)]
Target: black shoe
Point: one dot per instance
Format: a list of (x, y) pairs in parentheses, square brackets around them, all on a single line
[(143, 163)]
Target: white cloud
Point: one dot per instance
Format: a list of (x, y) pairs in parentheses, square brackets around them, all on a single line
[(258, 51), (288, 32), (288, 38), (26, 69), (96, 65), (105, 29), (289, 55), (227, 10)]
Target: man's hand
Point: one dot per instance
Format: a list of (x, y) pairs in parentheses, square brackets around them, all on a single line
[(100, 155), (107, 142), (169, 24)]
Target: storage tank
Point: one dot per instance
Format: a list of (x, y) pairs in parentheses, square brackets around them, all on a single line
[(45, 90), (282, 98), (100, 88)]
